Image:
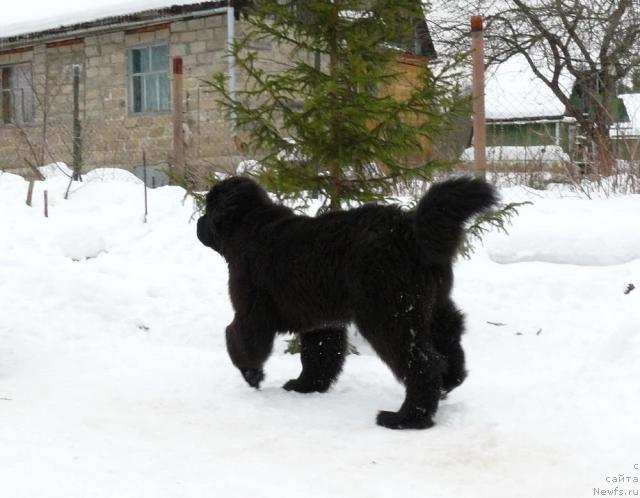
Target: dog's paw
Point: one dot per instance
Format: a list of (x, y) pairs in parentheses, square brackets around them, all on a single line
[(253, 376), (303, 386), (450, 382), (399, 420)]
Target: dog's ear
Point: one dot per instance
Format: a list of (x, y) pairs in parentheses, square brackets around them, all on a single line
[(232, 199), (224, 215)]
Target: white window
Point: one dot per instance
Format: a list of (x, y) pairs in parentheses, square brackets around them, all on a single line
[(16, 94), (149, 89)]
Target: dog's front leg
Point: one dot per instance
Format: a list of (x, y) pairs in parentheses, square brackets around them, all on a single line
[(249, 346)]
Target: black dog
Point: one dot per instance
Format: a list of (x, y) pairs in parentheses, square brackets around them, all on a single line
[(385, 270)]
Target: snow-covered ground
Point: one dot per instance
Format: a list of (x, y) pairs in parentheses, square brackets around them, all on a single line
[(115, 382)]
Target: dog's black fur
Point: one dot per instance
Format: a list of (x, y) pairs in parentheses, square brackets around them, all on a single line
[(386, 270)]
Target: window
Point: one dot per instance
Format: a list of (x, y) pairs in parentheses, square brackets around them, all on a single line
[(149, 79), (16, 94)]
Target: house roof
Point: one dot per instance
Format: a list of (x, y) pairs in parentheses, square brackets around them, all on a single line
[(513, 92), (30, 20)]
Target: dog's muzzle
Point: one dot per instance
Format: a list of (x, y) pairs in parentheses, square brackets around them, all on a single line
[(203, 233)]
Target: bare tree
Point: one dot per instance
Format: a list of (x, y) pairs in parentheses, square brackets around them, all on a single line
[(595, 42)]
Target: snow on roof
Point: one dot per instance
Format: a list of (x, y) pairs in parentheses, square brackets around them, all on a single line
[(513, 91), (632, 104), (29, 16)]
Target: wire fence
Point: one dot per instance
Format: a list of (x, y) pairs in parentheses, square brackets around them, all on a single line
[(530, 130)]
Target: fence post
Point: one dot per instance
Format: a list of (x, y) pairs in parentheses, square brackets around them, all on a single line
[(178, 133), (479, 124), (231, 60), (77, 126), (30, 193), (144, 174), (5, 96), (46, 203)]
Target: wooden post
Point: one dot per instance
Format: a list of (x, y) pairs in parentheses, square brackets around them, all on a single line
[(30, 193), (479, 123), (232, 16), (178, 133), (5, 96), (46, 203), (144, 174), (77, 126)]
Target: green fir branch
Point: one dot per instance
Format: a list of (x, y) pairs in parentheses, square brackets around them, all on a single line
[(495, 219)]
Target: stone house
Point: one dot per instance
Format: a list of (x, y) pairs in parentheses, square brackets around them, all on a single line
[(125, 89)]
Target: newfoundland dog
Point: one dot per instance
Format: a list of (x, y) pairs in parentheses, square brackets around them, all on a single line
[(386, 270)]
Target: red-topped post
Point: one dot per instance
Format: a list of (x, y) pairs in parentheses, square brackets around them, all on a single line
[(178, 133), (479, 124)]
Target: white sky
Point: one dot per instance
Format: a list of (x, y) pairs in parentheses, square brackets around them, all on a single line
[(25, 16)]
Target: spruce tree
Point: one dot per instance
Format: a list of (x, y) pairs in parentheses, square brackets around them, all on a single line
[(326, 119)]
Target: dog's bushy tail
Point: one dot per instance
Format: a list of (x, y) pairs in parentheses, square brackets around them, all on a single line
[(443, 211)]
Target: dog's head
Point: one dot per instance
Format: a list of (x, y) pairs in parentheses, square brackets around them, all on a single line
[(228, 202)]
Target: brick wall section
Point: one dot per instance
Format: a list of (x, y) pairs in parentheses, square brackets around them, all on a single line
[(112, 135)]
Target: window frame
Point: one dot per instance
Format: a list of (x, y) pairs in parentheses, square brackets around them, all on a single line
[(131, 75), (24, 112)]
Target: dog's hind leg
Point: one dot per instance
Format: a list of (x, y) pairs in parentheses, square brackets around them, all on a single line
[(405, 348), (447, 328), (322, 353)]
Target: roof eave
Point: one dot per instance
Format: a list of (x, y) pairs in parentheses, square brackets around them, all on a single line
[(115, 23)]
